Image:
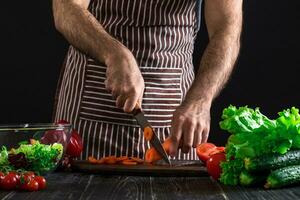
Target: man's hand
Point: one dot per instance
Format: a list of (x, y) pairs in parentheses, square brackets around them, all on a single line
[(190, 126), (124, 79)]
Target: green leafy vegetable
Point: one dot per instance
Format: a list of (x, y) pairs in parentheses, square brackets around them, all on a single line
[(3, 156), (40, 157), (253, 135)]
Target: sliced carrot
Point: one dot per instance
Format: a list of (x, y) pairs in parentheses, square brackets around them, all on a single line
[(101, 161), (111, 160), (152, 155), (149, 155), (148, 133), (136, 159), (127, 162), (119, 159), (92, 160), (167, 144)]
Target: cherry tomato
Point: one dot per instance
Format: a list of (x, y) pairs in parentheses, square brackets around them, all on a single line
[(24, 180), (33, 185), (203, 150), (9, 182), (30, 174), (75, 146), (16, 175), (213, 165), (41, 181)]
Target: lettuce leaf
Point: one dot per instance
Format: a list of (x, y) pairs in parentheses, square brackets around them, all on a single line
[(3, 156)]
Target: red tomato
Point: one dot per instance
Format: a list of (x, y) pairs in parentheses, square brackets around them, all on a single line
[(9, 182), (41, 181), (16, 175), (30, 174), (213, 165), (75, 146), (221, 149), (217, 150), (203, 150), (24, 180), (33, 185)]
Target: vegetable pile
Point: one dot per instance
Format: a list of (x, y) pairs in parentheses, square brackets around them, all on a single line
[(261, 149), (32, 156)]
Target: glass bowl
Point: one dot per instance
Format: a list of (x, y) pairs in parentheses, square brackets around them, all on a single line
[(33, 147)]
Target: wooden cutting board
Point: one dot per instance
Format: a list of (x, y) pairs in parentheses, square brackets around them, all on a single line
[(178, 168)]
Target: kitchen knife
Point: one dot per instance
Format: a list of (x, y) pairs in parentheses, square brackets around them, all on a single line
[(154, 141)]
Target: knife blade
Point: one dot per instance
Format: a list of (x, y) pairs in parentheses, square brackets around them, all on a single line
[(154, 141)]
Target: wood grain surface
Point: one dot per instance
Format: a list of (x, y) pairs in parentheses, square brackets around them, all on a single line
[(94, 186)]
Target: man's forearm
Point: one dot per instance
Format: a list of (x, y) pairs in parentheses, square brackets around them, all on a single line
[(82, 29), (216, 65)]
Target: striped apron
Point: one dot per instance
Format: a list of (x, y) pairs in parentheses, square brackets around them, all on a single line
[(160, 34)]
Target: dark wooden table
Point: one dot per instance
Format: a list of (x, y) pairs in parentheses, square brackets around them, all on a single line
[(85, 186)]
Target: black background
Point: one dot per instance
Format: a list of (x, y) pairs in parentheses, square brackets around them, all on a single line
[(266, 74)]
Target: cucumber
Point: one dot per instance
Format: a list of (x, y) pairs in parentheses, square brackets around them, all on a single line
[(248, 179), (272, 161), (283, 177)]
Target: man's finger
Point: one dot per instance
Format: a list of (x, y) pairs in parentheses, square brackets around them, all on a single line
[(120, 101), (107, 86), (188, 137), (115, 93), (130, 103), (197, 136), (176, 133), (205, 134)]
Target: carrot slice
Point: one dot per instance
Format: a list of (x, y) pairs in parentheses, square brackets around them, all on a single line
[(92, 160), (119, 159), (136, 159), (101, 161), (148, 133), (127, 162), (152, 155), (111, 160)]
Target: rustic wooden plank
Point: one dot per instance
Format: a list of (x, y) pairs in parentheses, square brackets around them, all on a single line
[(60, 186), (85, 186), (185, 188), (6, 194), (118, 187), (131, 187), (259, 193)]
